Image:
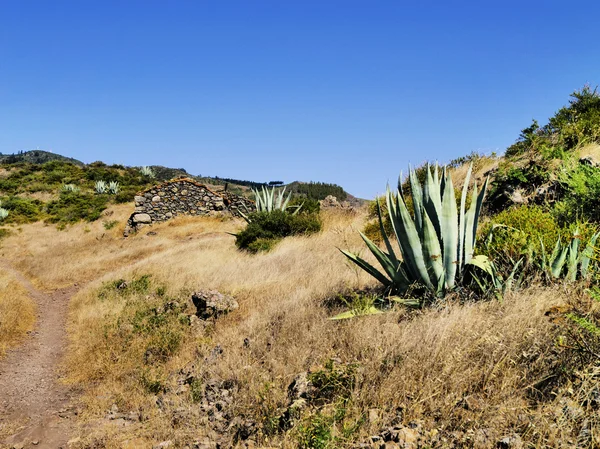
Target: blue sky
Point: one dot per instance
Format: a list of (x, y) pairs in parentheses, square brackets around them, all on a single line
[(338, 91)]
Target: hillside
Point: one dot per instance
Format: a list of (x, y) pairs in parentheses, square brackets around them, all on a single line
[(36, 157)]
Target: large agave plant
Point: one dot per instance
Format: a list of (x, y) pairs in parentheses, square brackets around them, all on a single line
[(100, 187), (113, 187), (436, 242), (270, 200), (3, 212)]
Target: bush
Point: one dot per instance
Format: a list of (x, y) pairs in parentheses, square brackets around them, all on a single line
[(72, 207), (22, 210), (266, 228)]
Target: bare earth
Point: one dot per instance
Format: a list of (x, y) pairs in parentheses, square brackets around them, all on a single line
[(35, 407)]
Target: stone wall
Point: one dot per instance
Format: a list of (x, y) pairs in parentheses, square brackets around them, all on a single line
[(182, 197)]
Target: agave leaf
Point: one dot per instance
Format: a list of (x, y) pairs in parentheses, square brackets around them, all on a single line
[(354, 313), (587, 255), (469, 224), (386, 239), (484, 263), (367, 267), (461, 221), (480, 199), (417, 196), (573, 257), (386, 263), (432, 201), (408, 239), (559, 262), (432, 251), (449, 223), (410, 302)]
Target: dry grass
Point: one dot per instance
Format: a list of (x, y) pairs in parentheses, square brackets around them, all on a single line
[(17, 312), (459, 369)]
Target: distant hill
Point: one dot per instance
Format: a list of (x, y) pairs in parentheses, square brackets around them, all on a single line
[(36, 157)]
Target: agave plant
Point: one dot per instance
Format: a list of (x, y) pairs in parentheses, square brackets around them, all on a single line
[(436, 243), (147, 172), (567, 260), (100, 187), (268, 201), (70, 188), (113, 187), (3, 212)]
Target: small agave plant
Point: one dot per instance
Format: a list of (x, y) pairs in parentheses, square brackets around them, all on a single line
[(270, 200), (3, 212), (100, 187), (113, 187), (568, 261), (70, 188), (147, 172), (436, 242)]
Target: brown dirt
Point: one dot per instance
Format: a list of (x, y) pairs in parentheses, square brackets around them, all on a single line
[(36, 408)]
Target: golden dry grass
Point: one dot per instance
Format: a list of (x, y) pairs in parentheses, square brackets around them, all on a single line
[(495, 356), (17, 312)]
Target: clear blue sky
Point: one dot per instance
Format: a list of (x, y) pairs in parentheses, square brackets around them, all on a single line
[(339, 91)]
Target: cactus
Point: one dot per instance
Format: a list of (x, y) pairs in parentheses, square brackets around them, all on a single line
[(100, 187), (436, 243)]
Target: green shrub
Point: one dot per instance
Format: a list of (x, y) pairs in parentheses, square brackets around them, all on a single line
[(72, 207), (273, 226), (518, 231), (309, 205), (22, 210)]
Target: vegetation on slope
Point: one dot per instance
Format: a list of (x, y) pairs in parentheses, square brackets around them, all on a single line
[(465, 371)]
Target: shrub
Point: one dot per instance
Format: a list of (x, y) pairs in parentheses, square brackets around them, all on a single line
[(273, 226), (71, 207), (22, 210)]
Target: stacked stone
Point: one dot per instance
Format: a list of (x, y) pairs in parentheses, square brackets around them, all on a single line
[(236, 203), (175, 198), (182, 197)]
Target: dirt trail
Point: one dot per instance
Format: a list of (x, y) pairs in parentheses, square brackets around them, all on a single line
[(35, 407)]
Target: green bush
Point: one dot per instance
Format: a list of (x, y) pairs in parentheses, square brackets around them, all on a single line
[(72, 207), (518, 231), (22, 210), (273, 226)]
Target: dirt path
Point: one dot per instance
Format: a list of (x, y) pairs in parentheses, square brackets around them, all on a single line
[(35, 407)]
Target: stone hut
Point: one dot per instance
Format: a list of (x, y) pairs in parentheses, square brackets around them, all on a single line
[(182, 196)]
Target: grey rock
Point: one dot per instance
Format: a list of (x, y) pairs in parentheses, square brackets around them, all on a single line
[(142, 218), (512, 441), (212, 304)]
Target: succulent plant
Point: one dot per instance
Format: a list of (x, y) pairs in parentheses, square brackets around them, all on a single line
[(100, 187), (567, 260), (70, 188), (436, 243), (113, 187), (147, 172), (3, 212), (270, 200)]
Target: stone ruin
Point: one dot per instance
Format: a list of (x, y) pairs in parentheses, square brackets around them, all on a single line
[(182, 196)]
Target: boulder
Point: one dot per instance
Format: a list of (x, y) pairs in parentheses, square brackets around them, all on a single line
[(212, 304), (142, 218)]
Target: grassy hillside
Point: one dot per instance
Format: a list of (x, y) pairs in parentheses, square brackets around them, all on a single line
[(500, 352)]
